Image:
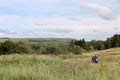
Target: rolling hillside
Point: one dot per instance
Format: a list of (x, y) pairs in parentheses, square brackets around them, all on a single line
[(43, 41), (76, 67)]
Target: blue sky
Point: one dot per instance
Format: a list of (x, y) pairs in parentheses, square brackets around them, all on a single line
[(89, 19)]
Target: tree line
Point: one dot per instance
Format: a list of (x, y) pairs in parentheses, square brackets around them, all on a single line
[(111, 42), (75, 46)]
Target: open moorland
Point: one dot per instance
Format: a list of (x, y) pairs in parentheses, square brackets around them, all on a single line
[(61, 67), (42, 41)]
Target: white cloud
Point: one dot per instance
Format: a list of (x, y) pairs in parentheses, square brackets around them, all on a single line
[(117, 1), (6, 32), (102, 11), (60, 30), (66, 20), (73, 19), (58, 22), (57, 26)]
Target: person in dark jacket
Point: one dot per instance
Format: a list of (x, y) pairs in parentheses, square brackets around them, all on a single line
[(96, 59)]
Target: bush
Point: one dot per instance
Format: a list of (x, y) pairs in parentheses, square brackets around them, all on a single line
[(7, 47), (90, 48), (23, 48), (76, 49), (56, 50), (99, 45), (42, 50)]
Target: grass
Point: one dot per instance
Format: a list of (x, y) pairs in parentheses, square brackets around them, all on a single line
[(42, 67), (42, 41)]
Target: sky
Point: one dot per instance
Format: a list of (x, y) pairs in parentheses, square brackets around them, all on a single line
[(88, 19)]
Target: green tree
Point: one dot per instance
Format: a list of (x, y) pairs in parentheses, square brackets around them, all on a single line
[(8, 47), (115, 40), (76, 49), (56, 50), (36, 47), (41, 50), (22, 47), (107, 43), (99, 45), (90, 48)]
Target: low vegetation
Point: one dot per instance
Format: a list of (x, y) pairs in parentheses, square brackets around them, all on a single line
[(20, 60), (51, 67), (59, 47)]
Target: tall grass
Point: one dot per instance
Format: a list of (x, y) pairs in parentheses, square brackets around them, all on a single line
[(36, 67)]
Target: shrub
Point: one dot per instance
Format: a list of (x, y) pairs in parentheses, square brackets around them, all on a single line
[(56, 50), (42, 50), (76, 49), (7, 47), (22, 48)]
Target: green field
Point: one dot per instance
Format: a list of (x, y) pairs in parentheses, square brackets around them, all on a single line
[(62, 67), (41, 41)]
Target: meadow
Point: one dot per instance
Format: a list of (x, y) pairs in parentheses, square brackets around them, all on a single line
[(65, 67), (41, 41)]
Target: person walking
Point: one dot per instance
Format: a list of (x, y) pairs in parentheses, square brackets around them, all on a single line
[(96, 59)]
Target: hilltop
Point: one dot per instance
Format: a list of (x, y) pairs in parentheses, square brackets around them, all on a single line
[(42, 41)]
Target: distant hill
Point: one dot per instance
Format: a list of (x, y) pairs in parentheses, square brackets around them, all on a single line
[(42, 41)]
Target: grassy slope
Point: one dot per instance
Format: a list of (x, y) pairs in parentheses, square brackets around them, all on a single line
[(37, 39), (34, 67), (41, 41)]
